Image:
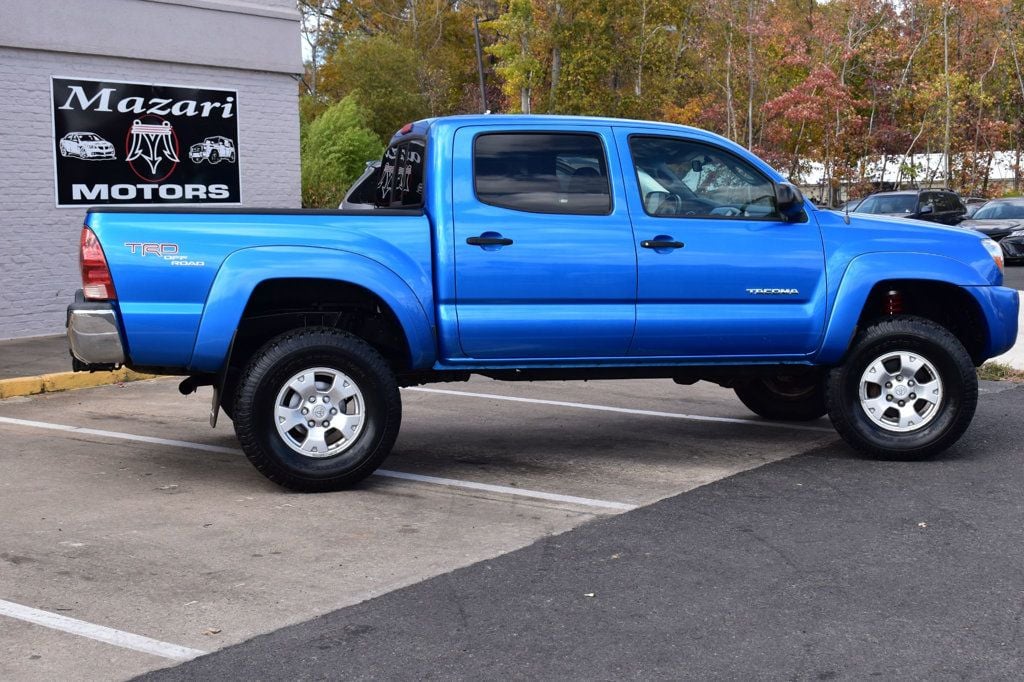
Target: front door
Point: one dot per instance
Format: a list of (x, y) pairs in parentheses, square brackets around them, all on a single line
[(720, 273), (545, 265)]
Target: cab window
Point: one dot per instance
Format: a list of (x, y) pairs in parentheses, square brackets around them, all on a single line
[(681, 178)]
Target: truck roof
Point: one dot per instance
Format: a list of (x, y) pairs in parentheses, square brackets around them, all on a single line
[(422, 126)]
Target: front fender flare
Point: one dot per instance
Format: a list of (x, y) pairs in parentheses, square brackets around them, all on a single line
[(865, 271), (243, 270)]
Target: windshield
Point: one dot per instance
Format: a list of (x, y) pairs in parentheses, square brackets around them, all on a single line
[(893, 203), (89, 137), (999, 210)]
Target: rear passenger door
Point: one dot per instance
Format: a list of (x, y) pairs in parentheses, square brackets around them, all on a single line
[(545, 265)]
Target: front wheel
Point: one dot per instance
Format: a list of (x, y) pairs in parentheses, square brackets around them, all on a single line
[(317, 409), (908, 390)]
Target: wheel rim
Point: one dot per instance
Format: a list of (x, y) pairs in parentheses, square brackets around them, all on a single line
[(319, 412), (901, 391)]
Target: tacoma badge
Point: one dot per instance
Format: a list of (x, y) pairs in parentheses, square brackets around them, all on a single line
[(773, 292)]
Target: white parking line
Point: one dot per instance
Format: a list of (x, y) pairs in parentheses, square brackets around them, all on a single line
[(100, 633), (625, 410), (448, 482), (536, 494)]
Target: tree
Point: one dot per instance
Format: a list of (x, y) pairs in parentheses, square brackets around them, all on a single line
[(335, 149), (518, 64), (380, 75)]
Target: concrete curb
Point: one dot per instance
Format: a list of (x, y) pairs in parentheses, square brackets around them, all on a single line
[(65, 381)]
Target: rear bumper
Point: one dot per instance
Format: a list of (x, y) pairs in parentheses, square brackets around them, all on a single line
[(94, 335)]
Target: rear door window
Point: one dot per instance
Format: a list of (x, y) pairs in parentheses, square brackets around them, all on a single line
[(948, 202), (542, 172)]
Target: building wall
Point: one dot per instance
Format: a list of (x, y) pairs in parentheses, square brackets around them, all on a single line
[(38, 242)]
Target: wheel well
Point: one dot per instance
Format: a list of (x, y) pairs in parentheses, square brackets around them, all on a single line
[(943, 303), (279, 305)]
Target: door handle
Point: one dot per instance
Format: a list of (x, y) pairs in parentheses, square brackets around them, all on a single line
[(488, 241), (658, 244)]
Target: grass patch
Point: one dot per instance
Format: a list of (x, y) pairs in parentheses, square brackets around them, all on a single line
[(998, 371)]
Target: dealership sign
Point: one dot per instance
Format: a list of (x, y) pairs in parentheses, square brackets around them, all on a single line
[(131, 143)]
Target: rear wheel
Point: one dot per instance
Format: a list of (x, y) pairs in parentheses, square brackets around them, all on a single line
[(784, 397), (908, 390), (317, 409)]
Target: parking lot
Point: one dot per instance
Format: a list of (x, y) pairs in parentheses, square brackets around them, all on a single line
[(124, 511)]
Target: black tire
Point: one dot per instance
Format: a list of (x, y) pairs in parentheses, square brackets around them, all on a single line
[(785, 397), (942, 423), (263, 383), (214, 156)]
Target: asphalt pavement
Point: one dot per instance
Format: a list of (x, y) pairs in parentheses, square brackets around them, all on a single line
[(821, 566)]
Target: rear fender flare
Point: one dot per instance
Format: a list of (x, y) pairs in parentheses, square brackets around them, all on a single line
[(243, 270), (865, 271)]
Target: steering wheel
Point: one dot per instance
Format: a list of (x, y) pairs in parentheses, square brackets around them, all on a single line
[(671, 205)]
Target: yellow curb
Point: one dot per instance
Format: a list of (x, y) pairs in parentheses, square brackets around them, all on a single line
[(65, 381)]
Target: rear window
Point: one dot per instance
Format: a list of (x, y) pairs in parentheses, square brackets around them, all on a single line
[(542, 172), (400, 184)]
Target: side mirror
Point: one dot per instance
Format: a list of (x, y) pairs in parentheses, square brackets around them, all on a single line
[(927, 209), (789, 201)]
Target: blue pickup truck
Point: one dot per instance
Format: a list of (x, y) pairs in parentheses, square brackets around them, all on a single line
[(544, 247)]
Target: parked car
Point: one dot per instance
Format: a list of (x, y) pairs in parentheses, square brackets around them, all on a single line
[(849, 206), (545, 248), (1003, 221), (362, 195), (972, 204), (213, 149), (89, 146), (932, 205)]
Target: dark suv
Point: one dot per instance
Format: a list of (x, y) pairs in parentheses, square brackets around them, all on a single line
[(933, 205)]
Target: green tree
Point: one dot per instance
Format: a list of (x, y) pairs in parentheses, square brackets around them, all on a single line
[(335, 149), (380, 75), (516, 50)]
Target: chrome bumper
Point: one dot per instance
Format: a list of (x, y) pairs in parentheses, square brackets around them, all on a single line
[(93, 335)]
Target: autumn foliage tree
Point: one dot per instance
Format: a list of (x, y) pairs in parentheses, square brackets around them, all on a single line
[(847, 86)]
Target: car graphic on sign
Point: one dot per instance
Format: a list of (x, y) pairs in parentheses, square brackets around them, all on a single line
[(88, 146), (213, 149)]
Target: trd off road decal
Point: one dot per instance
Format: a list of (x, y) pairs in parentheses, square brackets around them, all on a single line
[(131, 143)]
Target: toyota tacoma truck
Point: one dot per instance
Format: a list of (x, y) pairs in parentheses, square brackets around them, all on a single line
[(545, 247)]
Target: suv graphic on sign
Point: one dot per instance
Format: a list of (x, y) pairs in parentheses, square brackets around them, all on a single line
[(88, 146), (213, 149)]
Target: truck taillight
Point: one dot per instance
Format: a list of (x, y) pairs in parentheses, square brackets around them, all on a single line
[(96, 282)]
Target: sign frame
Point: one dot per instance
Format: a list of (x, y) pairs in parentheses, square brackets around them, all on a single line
[(196, 204)]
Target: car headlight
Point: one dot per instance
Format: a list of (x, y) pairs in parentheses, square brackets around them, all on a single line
[(995, 251), (1016, 233)]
